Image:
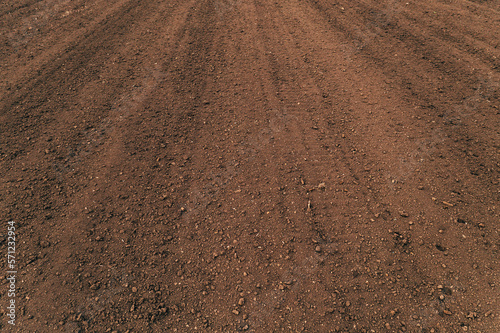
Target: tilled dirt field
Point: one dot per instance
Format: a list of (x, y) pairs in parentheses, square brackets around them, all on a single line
[(251, 165)]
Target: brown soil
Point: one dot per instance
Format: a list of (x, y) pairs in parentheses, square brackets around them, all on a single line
[(251, 165)]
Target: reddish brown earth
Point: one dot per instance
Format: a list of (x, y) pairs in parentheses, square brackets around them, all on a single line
[(251, 165)]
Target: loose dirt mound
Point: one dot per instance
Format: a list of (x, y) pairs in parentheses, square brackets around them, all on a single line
[(261, 166)]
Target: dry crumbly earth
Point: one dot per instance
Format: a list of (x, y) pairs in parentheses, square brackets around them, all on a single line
[(251, 165)]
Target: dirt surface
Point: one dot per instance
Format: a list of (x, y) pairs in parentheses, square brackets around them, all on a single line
[(251, 165)]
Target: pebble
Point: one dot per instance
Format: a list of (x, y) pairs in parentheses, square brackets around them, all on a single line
[(134, 289), (317, 248), (472, 315), (241, 301)]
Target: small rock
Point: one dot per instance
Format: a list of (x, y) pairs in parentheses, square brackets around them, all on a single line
[(241, 301), (317, 248), (134, 289), (472, 315), (440, 247), (447, 291), (236, 312), (403, 214), (447, 312)]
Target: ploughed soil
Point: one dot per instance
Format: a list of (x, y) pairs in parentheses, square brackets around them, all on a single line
[(251, 165)]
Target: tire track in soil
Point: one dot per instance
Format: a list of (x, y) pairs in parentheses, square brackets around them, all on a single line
[(469, 129), (112, 132), (431, 142), (263, 151), (459, 104), (264, 310), (185, 65), (41, 60)]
